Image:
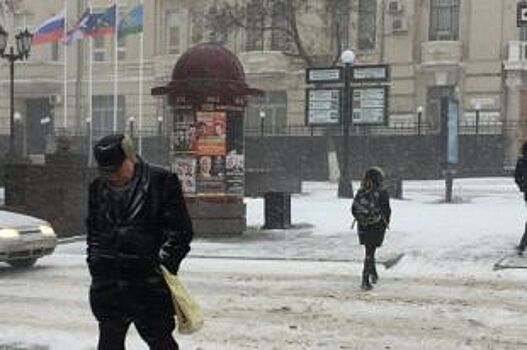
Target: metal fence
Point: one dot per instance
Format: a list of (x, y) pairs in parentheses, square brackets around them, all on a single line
[(401, 128)]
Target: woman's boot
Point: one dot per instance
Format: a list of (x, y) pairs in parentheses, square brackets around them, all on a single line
[(366, 285), (374, 276)]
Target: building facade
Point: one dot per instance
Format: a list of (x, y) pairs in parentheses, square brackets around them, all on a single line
[(471, 50)]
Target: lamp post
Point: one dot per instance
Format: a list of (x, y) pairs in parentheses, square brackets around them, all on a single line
[(131, 121), (159, 125), (23, 46), (89, 132), (262, 122), (419, 119), (345, 189), (478, 110), (45, 127)]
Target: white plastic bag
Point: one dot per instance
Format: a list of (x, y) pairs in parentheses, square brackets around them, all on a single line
[(188, 312)]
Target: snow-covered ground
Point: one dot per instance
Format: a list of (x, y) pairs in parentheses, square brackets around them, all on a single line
[(443, 294)]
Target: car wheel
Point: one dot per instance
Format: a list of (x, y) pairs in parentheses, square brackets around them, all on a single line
[(20, 263)]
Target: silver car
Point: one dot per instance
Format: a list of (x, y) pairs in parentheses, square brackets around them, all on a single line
[(24, 239)]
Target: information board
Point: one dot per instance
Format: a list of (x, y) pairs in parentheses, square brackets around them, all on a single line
[(521, 15), (369, 105), (323, 75), (323, 106), (370, 73)]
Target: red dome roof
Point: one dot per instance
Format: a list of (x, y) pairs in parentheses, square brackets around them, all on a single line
[(205, 70), (210, 62)]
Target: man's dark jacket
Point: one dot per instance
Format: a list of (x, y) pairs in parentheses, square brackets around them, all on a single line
[(128, 240), (520, 174)]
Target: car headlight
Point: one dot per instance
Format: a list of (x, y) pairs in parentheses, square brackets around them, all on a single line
[(8, 233), (47, 230)]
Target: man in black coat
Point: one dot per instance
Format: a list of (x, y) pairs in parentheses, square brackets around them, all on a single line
[(137, 220), (520, 177)]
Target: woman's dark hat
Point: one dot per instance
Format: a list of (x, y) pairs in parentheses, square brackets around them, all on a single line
[(109, 153)]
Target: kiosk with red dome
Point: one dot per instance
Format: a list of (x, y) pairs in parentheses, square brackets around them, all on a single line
[(206, 99)]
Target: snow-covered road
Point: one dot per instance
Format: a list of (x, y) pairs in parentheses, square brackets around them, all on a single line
[(442, 295), (282, 305)]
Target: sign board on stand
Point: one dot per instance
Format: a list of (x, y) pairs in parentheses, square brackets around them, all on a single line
[(521, 15), (324, 75), (369, 105), (323, 106), (370, 73)]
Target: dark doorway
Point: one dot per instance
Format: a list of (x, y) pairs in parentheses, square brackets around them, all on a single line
[(38, 110)]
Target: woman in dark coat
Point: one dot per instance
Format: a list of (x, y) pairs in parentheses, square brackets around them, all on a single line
[(371, 234)]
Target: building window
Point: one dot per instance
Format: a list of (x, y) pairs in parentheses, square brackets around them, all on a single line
[(367, 24), (98, 48), (274, 106), (24, 20), (444, 20), (254, 40), (175, 22), (103, 114), (341, 17), (279, 23)]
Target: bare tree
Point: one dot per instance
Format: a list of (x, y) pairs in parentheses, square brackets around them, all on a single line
[(281, 18)]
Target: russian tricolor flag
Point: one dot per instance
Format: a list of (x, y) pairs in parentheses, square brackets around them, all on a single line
[(49, 31)]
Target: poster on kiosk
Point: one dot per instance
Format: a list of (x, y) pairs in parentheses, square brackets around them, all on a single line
[(206, 153)]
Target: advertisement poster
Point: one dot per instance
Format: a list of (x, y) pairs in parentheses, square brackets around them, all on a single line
[(211, 167), (234, 170), (452, 133), (234, 185), (211, 174), (185, 168), (183, 140), (210, 130), (234, 164)]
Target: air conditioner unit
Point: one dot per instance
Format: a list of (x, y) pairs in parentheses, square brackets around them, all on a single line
[(395, 6), (400, 25), (55, 99)]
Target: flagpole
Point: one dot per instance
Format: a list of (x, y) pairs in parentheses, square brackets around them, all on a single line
[(90, 93), (141, 62), (65, 117), (115, 66)]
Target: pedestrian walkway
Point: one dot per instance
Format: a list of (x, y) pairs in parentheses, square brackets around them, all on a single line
[(297, 243)]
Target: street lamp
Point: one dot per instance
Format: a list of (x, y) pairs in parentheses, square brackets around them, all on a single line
[(478, 110), (89, 131), (262, 122), (23, 46), (131, 121), (419, 119), (159, 125), (345, 189)]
